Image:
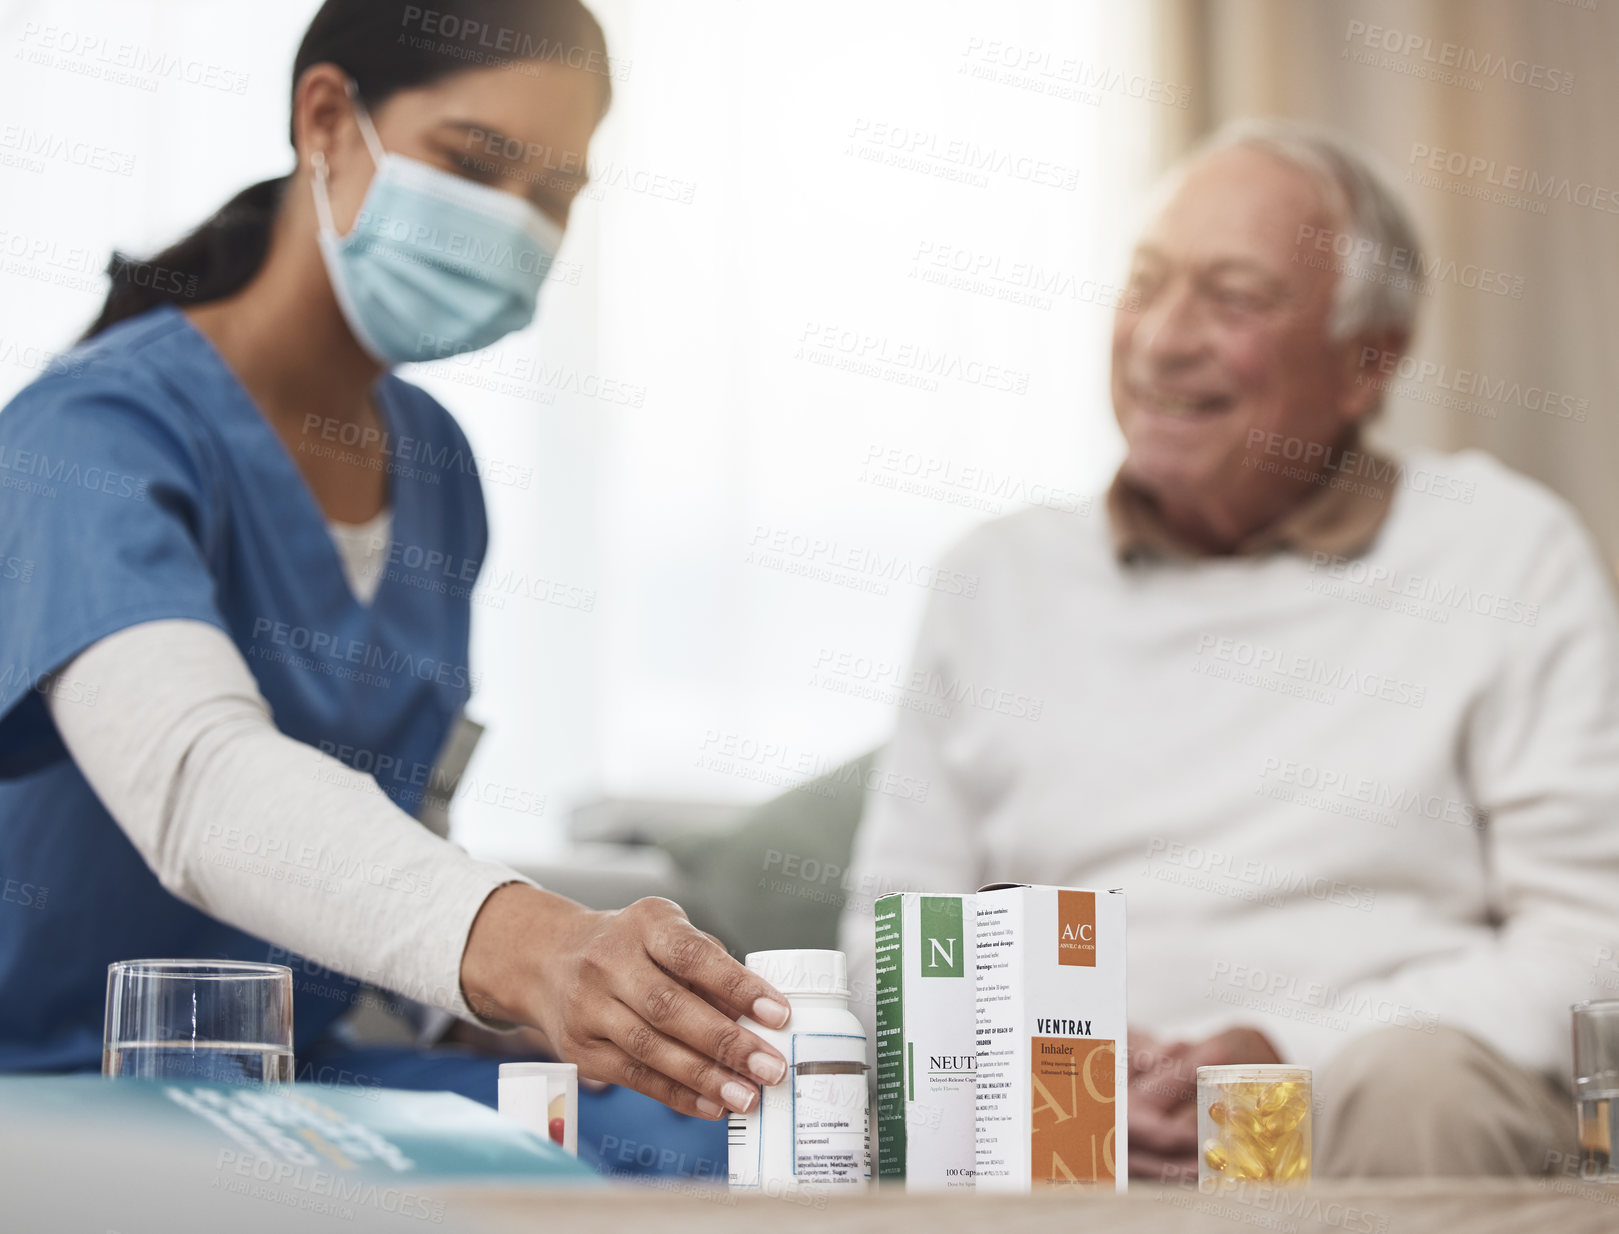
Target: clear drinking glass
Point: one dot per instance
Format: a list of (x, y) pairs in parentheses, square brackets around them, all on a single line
[(1596, 1086), (1253, 1124), (222, 1020)]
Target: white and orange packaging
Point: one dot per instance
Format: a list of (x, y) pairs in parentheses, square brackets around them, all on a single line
[(1051, 1037)]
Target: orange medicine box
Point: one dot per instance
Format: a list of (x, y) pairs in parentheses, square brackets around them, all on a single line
[(1050, 1018)]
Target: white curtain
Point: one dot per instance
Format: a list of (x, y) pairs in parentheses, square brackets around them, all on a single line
[(1496, 118), (841, 292)]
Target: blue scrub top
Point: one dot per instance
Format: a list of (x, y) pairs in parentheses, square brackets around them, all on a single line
[(139, 482)]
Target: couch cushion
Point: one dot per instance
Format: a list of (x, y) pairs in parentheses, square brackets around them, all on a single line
[(779, 879)]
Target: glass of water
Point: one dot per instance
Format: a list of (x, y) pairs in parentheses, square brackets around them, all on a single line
[(223, 1020), (1596, 1086)]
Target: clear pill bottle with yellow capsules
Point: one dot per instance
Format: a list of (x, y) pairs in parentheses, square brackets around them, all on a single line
[(1253, 1125), (812, 1129)]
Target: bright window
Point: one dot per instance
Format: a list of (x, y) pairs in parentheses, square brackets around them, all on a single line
[(842, 291)]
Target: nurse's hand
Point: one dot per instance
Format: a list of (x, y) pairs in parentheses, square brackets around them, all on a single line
[(638, 997)]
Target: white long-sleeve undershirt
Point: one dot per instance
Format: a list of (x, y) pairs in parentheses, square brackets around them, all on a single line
[(259, 830)]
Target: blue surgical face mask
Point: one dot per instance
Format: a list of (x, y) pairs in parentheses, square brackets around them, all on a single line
[(435, 265)]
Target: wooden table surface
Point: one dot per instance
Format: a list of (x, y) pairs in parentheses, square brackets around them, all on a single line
[(1406, 1206), (104, 1180)]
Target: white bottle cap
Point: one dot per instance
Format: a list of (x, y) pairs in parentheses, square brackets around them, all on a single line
[(803, 971)]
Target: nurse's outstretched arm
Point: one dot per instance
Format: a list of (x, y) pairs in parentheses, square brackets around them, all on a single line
[(274, 837), (639, 996)]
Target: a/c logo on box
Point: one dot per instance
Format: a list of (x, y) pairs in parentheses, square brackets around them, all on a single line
[(1076, 928)]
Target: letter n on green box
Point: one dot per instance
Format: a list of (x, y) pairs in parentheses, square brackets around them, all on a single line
[(942, 949)]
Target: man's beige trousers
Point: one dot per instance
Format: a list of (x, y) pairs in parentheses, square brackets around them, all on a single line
[(1401, 1102)]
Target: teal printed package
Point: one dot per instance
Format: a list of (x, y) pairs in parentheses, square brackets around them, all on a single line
[(315, 1139)]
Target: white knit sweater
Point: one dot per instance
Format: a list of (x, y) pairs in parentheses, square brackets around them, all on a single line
[(1340, 794)]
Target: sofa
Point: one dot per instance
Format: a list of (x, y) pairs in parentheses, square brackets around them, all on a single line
[(769, 876)]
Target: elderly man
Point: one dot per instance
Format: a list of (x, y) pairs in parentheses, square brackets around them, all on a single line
[(1345, 727)]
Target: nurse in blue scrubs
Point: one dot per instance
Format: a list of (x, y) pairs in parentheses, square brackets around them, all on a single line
[(189, 651)]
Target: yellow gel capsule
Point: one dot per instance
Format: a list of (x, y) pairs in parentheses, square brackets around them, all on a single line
[(1215, 1156), (1287, 1118), (1217, 1114), (1245, 1147), (1246, 1157), (1271, 1148), (1275, 1096), (1292, 1163), (1239, 1094), (1246, 1121)]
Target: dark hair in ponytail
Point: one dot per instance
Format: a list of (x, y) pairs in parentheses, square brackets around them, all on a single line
[(385, 46)]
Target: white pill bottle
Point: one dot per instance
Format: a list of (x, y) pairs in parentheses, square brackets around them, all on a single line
[(812, 1130)]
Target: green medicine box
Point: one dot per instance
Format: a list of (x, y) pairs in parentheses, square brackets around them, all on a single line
[(926, 1058)]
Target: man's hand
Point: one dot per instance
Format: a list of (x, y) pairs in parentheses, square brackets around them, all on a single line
[(1163, 1096), (638, 997)]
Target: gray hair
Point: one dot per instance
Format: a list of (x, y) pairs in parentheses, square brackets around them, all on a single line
[(1377, 254)]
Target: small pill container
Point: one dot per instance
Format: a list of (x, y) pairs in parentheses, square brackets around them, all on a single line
[(1253, 1125), (543, 1097)]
